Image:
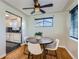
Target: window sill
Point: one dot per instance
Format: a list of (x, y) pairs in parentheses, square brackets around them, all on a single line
[(73, 39)]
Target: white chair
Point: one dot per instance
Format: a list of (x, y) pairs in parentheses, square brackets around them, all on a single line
[(52, 46), (34, 49)]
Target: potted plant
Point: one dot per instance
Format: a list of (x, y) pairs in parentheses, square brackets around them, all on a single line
[(38, 35)]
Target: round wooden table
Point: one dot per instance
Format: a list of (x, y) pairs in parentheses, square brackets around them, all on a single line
[(44, 40)]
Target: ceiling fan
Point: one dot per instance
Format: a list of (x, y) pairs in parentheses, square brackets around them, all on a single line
[(37, 7)]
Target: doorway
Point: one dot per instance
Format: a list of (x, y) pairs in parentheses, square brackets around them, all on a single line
[(13, 31)]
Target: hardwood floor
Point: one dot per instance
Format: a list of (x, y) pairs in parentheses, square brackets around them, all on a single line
[(22, 53)]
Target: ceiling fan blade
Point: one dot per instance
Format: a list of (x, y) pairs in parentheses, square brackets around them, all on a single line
[(32, 12), (42, 11), (28, 8), (47, 5)]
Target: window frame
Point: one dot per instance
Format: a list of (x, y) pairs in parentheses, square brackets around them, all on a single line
[(44, 21), (72, 12)]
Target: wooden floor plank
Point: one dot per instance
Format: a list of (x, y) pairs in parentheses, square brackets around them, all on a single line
[(22, 53), (63, 54)]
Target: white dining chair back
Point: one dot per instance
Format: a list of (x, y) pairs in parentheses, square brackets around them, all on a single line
[(53, 46), (34, 48)]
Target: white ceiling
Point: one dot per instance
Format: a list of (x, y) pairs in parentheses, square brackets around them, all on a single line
[(58, 5)]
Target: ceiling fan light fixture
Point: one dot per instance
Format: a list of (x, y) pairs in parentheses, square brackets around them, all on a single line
[(37, 10), (37, 7), (36, 13)]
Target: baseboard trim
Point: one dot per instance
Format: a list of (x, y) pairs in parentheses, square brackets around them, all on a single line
[(68, 51), (2, 55)]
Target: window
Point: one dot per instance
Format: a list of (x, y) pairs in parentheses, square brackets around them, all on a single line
[(44, 22), (74, 23)]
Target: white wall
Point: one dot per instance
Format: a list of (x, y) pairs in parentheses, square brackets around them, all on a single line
[(3, 8), (57, 31), (72, 44), (2, 35)]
